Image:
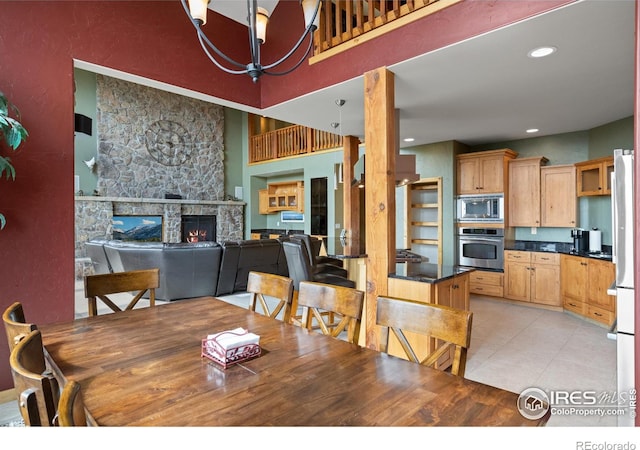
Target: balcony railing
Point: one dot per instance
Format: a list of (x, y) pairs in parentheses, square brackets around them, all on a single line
[(295, 140), (351, 22)]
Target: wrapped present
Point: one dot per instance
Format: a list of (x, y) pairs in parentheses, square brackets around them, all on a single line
[(231, 346)]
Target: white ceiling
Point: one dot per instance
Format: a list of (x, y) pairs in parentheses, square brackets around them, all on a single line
[(486, 89)]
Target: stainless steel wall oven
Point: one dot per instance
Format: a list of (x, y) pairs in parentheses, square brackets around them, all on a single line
[(481, 247)]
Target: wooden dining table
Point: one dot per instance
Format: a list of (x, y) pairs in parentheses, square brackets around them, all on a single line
[(144, 368)]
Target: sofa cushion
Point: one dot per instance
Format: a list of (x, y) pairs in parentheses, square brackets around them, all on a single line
[(257, 255), (228, 267)]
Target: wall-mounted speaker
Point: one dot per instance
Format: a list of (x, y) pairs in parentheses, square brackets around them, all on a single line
[(83, 124)]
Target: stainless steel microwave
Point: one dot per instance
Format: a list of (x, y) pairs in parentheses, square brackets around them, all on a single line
[(480, 208)]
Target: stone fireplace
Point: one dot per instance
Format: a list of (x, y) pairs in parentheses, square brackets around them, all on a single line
[(159, 154)]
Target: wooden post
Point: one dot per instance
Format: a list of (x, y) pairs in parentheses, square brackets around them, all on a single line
[(351, 195), (380, 141)]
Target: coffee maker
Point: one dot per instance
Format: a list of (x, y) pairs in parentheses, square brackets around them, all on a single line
[(580, 240)]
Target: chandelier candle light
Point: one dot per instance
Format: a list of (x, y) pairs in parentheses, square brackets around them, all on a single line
[(257, 18)]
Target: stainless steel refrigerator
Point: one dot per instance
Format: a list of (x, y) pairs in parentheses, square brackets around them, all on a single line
[(622, 205)]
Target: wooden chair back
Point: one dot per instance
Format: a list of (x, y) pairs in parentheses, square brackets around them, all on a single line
[(38, 391), (100, 286), (449, 326), (15, 324), (344, 303), (261, 284), (71, 412)]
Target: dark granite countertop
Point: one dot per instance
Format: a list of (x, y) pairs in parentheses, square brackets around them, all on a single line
[(427, 272), (557, 247)]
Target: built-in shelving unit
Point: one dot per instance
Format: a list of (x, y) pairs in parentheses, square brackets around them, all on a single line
[(283, 196), (424, 218)]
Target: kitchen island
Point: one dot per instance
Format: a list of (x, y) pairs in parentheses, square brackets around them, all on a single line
[(428, 283)]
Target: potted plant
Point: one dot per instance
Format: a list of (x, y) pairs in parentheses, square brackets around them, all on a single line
[(13, 134)]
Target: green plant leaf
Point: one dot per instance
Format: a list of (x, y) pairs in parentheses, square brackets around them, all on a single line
[(5, 166)]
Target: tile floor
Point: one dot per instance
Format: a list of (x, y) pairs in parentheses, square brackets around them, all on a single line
[(512, 347)]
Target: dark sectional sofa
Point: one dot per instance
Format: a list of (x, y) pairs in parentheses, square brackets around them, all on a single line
[(191, 269)]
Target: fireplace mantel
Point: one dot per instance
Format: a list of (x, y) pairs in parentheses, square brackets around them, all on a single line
[(163, 201)]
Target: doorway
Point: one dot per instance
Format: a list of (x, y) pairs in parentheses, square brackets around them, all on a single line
[(319, 206)]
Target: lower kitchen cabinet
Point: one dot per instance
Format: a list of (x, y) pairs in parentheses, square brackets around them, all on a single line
[(584, 287), (453, 292), (486, 283), (532, 277)]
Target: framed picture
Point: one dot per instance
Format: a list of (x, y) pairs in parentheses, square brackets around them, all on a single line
[(137, 228), (290, 216)]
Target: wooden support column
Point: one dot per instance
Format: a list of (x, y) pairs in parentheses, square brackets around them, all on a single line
[(351, 195), (380, 141)]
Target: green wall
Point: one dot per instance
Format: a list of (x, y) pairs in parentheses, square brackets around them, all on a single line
[(569, 148), (86, 147), (235, 143), (257, 176)]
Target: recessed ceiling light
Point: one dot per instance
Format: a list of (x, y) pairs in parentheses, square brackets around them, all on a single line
[(541, 52), (532, 130), (409, 139)]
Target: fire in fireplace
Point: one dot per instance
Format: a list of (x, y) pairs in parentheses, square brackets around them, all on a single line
[(198, 228)]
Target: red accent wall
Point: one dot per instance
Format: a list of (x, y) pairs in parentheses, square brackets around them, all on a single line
[(38, 42)]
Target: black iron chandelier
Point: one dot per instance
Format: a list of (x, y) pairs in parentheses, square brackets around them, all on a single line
[(257, 19)]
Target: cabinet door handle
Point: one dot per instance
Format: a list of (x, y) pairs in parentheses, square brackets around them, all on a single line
[(597, 314)]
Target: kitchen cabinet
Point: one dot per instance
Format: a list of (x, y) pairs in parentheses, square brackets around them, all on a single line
[(584, 284), (484, 282), (524, 191), (283, 196), (558, 196), (532, 277), (541, 196), (424, 218), (453, 292), (594, 176), (483, 172)]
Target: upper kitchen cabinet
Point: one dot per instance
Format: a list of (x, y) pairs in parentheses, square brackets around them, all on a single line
[(558, 196), (283, 196), (541, 196), (594, 176), (524, 191), (483, 172)]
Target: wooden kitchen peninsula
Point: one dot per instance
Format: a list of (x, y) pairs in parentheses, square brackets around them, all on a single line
[(428, 283), (431, 283)]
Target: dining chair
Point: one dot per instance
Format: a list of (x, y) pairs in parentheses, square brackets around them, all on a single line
[(71, 412), (450, 327), (15, 324), (37, 389), (100, 286), (344, 303), (261, 285)]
